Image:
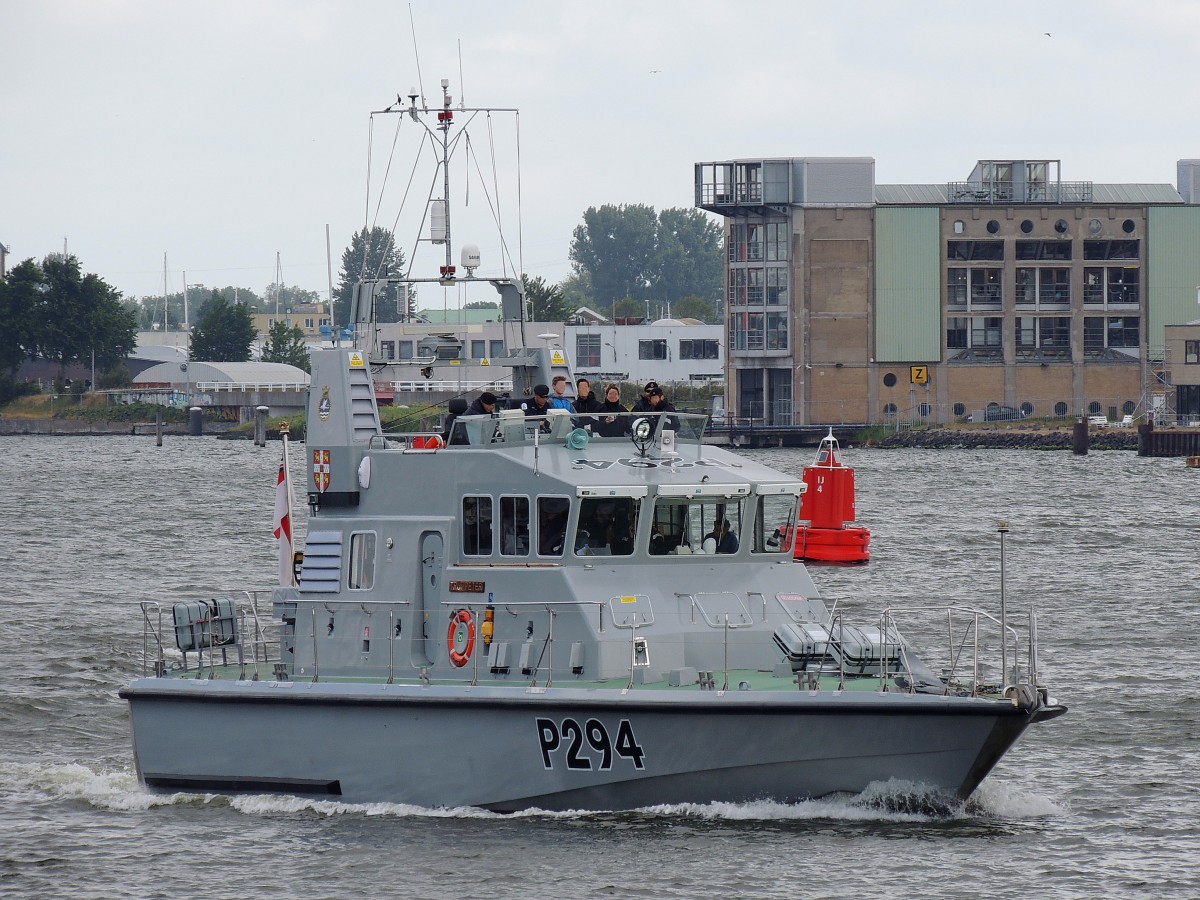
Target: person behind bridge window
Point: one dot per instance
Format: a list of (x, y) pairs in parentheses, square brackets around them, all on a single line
[(726, 541)]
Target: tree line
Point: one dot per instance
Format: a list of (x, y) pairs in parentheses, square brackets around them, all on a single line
[(626, 260)]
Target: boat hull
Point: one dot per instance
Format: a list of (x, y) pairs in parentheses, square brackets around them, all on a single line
[(560, 748)]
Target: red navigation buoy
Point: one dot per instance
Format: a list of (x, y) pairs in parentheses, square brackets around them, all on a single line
[(827, 509)]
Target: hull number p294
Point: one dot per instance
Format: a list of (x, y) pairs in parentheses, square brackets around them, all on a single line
[(588, 746)]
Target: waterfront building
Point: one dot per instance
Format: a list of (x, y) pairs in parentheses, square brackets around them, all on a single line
[(849, 301)]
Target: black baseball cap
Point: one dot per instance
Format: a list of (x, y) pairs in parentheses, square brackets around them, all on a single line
[(487, 397), (650, 386), (541, 390)]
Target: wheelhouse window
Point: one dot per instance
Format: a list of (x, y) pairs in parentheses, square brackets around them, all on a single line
[(362, 561), (477, 526), (607, 526), (774, 523), (387, 349), (552, 524), (404, 349), (514, 526), (695, 527)]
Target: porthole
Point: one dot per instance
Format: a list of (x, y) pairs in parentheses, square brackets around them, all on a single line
[(1096, 227), (960, 409), (1094, 408), (1128, 226), (1026, 226), (924, 409), (1061, 226), (1026, 409), (1060, 409), (993, 227), (889, 380), (1128, 407), (889, 409)]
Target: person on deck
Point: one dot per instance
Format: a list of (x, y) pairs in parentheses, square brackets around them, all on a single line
[(558, 395), (642, 404), (612, 421), (483, 405), (585, 402)]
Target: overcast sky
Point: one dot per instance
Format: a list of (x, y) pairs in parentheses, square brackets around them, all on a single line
[(226, 133)]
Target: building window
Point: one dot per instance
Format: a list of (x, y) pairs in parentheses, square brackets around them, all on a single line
[(308, 323), (655, 349), (1122, 285), (755, 294), (478, 350), (1093, 285), (514, 526), (777, 240), (362, 561), (1110, 249), (1026, 287), (698, 349), (1054, 286), (587, 350), (777, 286), (1124, 331), (388, 349), (960, 409), (956, 333), (737, 287), (496, 348), (1060, 409), (985, 287), (477, 526), (889, 409), (777, 331), (1044, 250), (956, 287), (974, 251), (1054, 335), (1191, 352), (1026, 334), (986, 332), (405, 349)]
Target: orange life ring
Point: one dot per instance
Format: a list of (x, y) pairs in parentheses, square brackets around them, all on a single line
[(460, 638)]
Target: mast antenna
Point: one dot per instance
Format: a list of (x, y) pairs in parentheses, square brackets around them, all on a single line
[(416, 53)]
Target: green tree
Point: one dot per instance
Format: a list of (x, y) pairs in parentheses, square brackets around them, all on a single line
[(81, 317), (288, 297), (696, 308), (372, 254), (630, 251), (481, 304), (18, 335), (547, 302), (223, 332), (286, 345)]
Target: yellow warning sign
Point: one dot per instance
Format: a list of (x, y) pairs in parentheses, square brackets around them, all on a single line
[(629, 599), (918, 374), (484, 362), (557, 358), (356, 360)]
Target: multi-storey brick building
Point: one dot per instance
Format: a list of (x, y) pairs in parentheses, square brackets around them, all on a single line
[(851, 301)]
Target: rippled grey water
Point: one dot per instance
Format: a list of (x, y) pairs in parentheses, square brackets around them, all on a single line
[(1103, 802)]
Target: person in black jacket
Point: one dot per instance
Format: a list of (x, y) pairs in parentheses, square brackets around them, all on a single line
[(660, 404), (585, 402), (611, 421), (642, 404), (483, 405)]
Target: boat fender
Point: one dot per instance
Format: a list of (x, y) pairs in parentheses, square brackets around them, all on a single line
[(460, 638)]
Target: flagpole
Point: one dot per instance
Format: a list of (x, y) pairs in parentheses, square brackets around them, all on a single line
[(284, 434)]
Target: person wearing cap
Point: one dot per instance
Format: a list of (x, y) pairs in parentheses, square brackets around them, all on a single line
[(642, 404), (660, 404), (538, 403), (483, 405)]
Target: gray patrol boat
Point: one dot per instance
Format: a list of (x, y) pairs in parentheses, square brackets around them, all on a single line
[(560, 611)]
